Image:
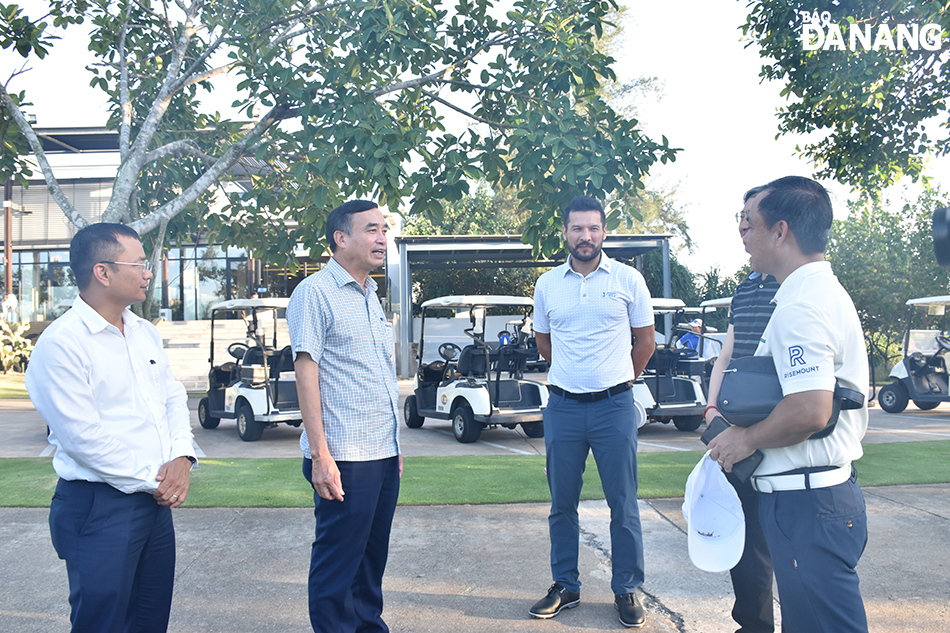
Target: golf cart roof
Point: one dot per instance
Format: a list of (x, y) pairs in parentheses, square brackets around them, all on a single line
[(248, 304), (672, 306), (467, 301), (659, 303), (721, 302), (930, 301)]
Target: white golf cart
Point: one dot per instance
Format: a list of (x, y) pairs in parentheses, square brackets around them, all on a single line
[(257, 387), (466, 381), (921, 376), (670, 389)]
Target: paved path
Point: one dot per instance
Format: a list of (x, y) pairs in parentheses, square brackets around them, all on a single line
[(473, 568), (477, 569)]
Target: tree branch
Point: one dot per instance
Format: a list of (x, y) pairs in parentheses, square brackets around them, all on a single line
[(436, 97), (186, 146), (125, 100), (207, 180), (52, 184), (129, 169)]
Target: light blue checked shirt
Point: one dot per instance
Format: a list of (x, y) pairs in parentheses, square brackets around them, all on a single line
[(345, 332), (589, 320)]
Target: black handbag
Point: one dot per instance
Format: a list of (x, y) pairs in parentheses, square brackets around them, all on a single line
[(750, 390)]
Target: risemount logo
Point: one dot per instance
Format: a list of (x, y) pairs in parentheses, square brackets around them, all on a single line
[(818, 32)]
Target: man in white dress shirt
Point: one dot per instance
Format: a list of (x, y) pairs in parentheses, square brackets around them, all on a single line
[(120, 424)]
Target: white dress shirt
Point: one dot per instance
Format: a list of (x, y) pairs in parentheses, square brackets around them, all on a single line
[(114, 409)]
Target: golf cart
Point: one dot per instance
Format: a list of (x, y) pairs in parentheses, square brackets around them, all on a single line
[(478, 384), (922, 374), (670, 389), (257, 386)]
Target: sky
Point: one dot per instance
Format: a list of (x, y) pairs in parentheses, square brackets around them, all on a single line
[(712, 106)]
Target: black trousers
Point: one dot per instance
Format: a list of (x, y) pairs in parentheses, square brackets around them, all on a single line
[(752, 576)]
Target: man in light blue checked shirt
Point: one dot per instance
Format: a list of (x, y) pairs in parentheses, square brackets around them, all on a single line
[(346, 384), (585, 313)]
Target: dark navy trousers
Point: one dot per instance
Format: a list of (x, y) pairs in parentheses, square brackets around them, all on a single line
[(351, 547), (752, 575), (816, 538), (120, 557), (607, 428)]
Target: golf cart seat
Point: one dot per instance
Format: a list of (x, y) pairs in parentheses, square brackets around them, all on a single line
[(432, 373), (663, 363), (224, 375), (513, 359), (472, 361), (253, 356), (282, 361)]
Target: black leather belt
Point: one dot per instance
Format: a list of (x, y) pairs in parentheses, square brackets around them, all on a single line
[(592, 396)]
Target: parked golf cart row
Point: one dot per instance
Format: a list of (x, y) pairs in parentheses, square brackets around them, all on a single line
[(481, 384)]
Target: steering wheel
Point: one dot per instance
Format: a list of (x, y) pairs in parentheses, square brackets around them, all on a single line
[(943, 343), (237, 350), (449, 351)]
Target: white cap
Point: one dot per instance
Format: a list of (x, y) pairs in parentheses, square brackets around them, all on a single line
[(639, 414), (713, 513)]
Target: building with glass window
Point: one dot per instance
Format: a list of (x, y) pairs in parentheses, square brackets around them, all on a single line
[(189, 279)]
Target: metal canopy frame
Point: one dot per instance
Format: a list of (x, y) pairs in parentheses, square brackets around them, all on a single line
[(442, 252)]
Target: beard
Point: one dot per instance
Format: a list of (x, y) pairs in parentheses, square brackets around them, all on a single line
[(594, 251)]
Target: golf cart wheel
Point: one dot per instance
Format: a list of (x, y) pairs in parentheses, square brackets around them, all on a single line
[(205, 418), (533, 429), (249, 429), (411, 412), (926, 406), (893, 397), (688, 423), (464, 426)]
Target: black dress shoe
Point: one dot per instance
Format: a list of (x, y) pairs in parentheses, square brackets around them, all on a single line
[(558, 598), (631, 611)]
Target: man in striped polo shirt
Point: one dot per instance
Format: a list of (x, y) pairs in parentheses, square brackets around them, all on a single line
[(752, 576)]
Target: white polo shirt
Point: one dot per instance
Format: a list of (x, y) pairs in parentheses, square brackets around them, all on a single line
[(815, 337), (589, 320)]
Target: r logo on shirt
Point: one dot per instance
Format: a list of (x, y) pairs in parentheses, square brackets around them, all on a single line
[(796, 355)]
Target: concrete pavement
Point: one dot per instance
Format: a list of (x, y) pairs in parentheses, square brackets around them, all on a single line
[(470, 568), (478, 569)]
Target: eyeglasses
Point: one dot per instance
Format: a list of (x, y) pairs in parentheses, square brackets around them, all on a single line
[(742, 215), (143, 265)]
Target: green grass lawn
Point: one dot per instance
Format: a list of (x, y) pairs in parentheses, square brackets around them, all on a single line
[(11, 386), (254, 482)]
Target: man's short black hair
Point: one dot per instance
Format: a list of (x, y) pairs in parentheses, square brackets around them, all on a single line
[(341, 218), (805, 205), (584, 203), (93, 244), (754, 191)]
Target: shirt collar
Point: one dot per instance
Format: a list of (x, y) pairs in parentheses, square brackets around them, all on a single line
[(95, 321), (799, 277), (342, 277), (605, 264)]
